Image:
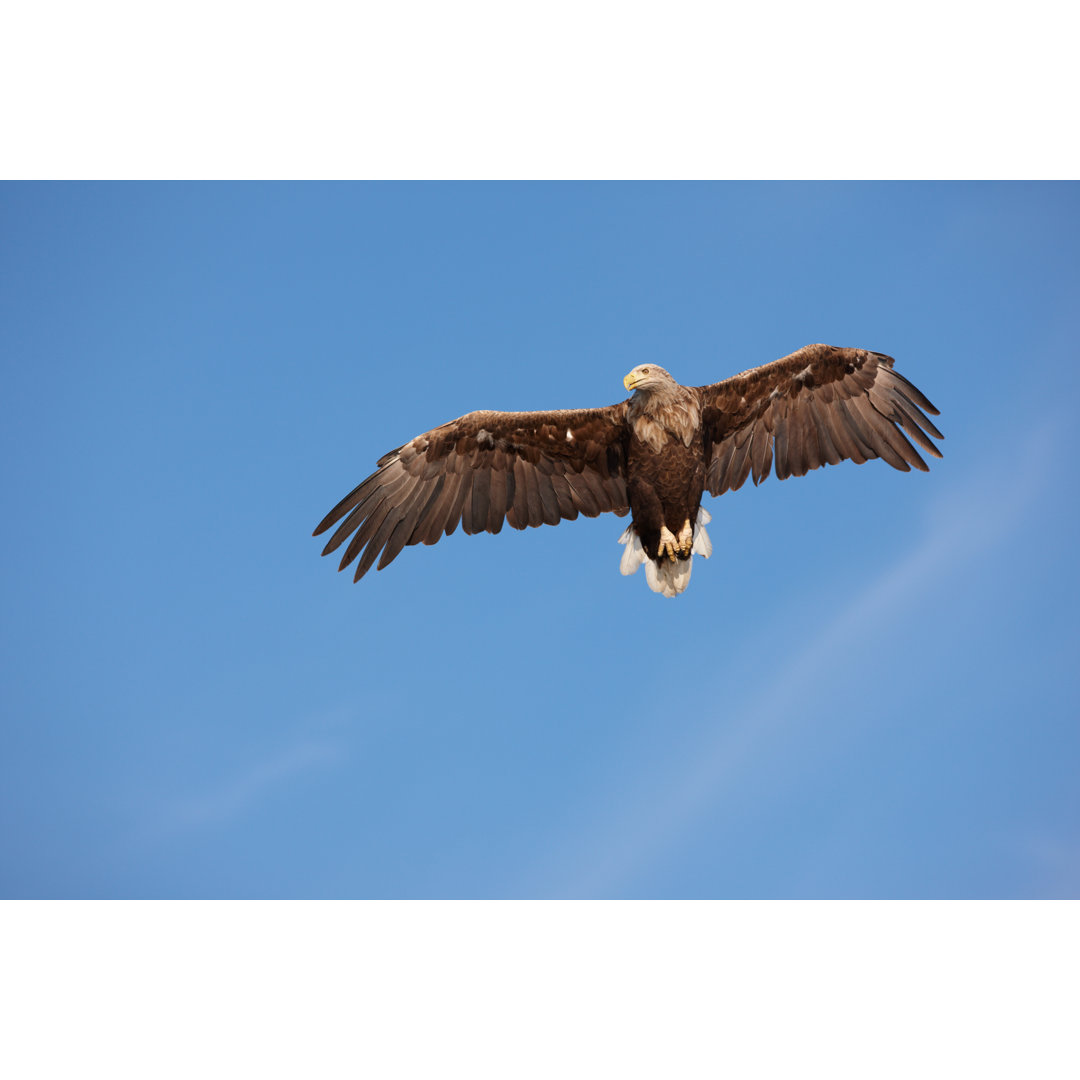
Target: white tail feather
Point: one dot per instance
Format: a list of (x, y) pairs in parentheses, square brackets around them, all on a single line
[(702, 543), (665, 577), (634, 555)]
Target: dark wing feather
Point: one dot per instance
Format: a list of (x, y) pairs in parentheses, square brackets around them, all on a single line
[(483, 469), (815, 407)]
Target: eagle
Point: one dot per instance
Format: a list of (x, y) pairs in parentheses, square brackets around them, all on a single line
[(653, 456)]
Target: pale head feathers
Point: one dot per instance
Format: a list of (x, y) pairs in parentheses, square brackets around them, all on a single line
[(661, 408), (649, 378)]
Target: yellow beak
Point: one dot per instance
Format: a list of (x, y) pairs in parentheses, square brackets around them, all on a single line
[(630, 381)]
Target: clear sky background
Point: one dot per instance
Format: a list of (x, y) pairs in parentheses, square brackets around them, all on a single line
[(870, 690)]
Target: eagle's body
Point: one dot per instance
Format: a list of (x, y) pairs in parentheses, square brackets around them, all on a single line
[(654, 455), (665, 466)]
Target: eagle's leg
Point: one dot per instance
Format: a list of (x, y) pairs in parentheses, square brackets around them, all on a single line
[(686, 539), (668, 544)]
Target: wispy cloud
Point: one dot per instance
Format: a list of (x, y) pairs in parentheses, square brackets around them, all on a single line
[(225, 796), (233, 796), (255, 783), (975, 519)]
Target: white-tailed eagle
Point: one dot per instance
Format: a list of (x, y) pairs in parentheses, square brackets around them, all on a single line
[(653, 455)]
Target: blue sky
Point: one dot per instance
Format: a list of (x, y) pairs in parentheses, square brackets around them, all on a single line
[(870, 690)]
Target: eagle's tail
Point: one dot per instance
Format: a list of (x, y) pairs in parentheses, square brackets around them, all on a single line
[(664, 575)]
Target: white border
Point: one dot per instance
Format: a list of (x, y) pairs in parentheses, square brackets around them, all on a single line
[(584, 89), (534, 989)]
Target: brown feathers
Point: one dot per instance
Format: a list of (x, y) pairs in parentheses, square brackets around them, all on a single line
[(815, 407), (526, 469)]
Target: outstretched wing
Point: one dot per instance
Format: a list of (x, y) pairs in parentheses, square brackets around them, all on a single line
[(815, 407), (527, 468)]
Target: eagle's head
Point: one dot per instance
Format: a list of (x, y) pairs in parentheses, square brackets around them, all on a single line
[(648, 377)]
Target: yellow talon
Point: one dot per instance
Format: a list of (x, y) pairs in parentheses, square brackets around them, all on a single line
[(668, 544), (686, 538)]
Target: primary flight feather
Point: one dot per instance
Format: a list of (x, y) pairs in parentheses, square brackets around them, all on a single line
[(653, 455)]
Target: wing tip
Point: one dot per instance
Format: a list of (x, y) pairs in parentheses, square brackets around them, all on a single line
[(327, 522)]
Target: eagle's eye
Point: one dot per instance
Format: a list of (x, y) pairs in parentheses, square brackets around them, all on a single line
[(644, 371)]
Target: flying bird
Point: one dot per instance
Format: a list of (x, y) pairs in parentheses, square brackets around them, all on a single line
[(652, 455)]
